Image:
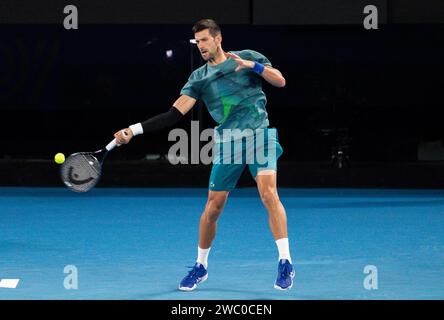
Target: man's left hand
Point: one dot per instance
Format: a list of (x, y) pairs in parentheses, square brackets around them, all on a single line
[(241, 63)]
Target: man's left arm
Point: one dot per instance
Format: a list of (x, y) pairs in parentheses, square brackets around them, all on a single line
[(273, 76), (270, 74)]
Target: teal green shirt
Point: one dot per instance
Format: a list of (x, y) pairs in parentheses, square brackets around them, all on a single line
[(235, 100)]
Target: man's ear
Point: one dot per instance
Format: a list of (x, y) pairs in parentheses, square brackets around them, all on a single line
[(219, 38)]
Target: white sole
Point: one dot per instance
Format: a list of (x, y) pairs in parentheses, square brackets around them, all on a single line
[(205, 277)]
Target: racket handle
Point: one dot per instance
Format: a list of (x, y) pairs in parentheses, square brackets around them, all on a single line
[(111, 145)]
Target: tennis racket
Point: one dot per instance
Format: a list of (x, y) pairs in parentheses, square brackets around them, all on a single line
[(82, 170)]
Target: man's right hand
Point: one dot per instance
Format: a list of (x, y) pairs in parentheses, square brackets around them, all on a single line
[(123, 136)]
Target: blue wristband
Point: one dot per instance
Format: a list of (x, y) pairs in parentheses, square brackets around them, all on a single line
[(258, 67)]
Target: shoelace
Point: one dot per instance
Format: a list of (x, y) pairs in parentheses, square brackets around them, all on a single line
[(192, 272), (285, 270)]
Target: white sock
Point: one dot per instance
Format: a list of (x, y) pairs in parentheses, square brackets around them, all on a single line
[(202, 256), (284, 249)]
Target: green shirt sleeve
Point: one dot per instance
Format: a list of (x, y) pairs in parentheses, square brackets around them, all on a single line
[(191, 88)]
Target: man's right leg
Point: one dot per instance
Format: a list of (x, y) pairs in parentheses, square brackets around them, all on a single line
[(208, 220), (207, 232), (223, 178)]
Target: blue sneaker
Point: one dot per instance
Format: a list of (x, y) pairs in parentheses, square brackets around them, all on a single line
[(197, 275), (285, 275)]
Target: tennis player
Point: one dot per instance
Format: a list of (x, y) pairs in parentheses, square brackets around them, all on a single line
[(230, 85)]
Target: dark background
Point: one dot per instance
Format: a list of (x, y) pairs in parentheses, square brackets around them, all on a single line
[(374, 94)]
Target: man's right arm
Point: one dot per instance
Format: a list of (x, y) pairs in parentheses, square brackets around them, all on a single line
[(184, 104), (164, 120)]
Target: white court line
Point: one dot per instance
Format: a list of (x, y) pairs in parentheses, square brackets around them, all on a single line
[(9, 283)]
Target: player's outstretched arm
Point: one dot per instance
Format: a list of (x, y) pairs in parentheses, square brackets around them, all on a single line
[(164, 120), (271, 75)]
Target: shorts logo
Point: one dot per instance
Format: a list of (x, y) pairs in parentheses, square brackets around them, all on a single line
[(211, 185)]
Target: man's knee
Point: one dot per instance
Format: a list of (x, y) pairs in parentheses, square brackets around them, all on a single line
[(214, 206), (269, 197)]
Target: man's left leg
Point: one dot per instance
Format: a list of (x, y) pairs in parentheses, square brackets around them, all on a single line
[(277, 218)]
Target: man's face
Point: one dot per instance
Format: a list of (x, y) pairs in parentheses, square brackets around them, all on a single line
[(207, 44)]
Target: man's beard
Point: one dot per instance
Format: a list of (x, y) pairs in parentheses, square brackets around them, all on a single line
[(211, 57)]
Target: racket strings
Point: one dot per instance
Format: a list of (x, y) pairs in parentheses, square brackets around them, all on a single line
[(81, 172)]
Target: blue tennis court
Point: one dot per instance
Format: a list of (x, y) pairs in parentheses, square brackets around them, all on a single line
[(137, 244)]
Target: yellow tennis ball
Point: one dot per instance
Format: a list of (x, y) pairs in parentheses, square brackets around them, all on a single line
[(59, 158)]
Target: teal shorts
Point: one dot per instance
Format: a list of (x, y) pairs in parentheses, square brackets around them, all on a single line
[(259, 151)]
